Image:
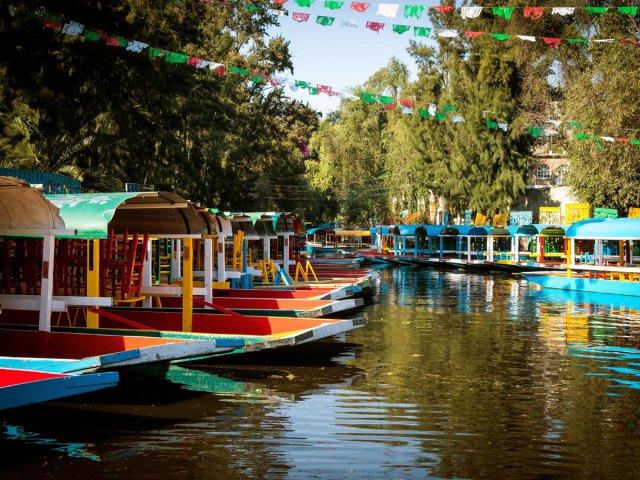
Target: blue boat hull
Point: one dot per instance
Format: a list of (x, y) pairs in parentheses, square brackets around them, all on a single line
[(39, 391), (590, 285)]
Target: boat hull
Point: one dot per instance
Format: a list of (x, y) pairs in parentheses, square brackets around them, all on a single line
[(591, 285), (27, 387)]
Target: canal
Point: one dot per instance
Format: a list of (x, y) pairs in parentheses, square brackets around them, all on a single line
[(456, 375)]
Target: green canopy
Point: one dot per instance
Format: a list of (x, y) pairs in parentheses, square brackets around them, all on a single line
[(89, 213)]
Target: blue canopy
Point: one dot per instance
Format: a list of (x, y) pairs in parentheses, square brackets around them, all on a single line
[(319, 231), (434, 230), (410, 230), (606, 229)]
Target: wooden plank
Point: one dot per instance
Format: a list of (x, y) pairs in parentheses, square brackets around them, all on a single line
[(28, 302)]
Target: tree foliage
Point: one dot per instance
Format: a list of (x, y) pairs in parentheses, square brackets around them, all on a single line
[(109, 116)]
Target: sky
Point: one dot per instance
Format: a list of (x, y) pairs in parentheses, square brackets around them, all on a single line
[(339, 56)]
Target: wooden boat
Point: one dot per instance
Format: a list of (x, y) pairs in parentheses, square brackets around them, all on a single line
[(20, 387), (605, 249), (80, 352), (308, 291), (278, 306)]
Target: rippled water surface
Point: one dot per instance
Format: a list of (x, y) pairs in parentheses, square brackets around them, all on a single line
[(454, 376)]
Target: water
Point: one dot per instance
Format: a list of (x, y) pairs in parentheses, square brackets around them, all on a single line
[(454, 376)]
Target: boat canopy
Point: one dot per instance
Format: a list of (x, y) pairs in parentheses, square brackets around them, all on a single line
[(410, 230), (265, 228), (456, 230), (250, 232), (25, 212), (383, 230), (551, 230), (434, 230), (222, 225), (159, 214), (320, 231), (606, 229), (478, 231), (501, 231), (353, 233)]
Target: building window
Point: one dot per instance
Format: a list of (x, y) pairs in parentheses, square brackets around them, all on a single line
[(543, 172), (561, 174)]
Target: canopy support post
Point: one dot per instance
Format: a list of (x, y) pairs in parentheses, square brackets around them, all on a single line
[(93, 279), (46, 283), (187, 285)]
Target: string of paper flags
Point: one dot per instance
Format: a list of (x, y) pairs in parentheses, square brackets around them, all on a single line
[(416, 11), (390, 10), (407, 106)]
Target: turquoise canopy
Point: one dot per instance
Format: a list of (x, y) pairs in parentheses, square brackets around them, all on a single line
[(606, 229), (89, 213), (159, 214)]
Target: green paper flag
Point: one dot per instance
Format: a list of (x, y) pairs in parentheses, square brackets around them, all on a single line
[(535, 132), (92, 36), (173, 57), (239, 70), (304, 3), (577, 40), (413, 11), (596, 10), (369, 97), (333, 4), (491, 124), (586, 136), (385, 100), (633, 11), (313, 91), (325, 21), (448, 108), (301, 84), (423, 113), (575, 124), (157, 52), (251, 8), (635, 142), (401, 28), (500, 36), (421, 32), (440, 116), (504, 12)]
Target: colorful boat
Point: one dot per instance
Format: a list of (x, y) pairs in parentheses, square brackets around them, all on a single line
[(605, 256), (20, 387)]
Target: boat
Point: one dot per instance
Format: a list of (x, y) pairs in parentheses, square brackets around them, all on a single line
[(603, 248), (20, 387)]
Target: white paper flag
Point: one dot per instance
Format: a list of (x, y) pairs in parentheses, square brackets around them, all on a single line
[(73, 28), (350, 23), (443, 32), (387, 9), (470, 12), (562, 10), (527, 38), (137, 47)]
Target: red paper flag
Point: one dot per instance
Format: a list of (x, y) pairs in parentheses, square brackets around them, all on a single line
[(390, 106), (220, 69), (324, 89), (300, 17), (628, 42), (51, 23), (445, 8), (333, 93), (194, 62), (622, 140), (360, 6), (407, 103), (112, 41), (473, 34), (375, 26), (279, 2), (552, 42), (533, 13)]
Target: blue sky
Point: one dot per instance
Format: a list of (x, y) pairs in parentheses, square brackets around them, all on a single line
[(339, 56)]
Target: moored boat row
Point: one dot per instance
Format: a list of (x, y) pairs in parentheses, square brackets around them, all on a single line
[(107, 281)]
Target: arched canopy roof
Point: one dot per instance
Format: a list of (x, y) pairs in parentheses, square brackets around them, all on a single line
[(24, 211), (320, 231), (159, 214), (455, 230), (353, 233), (499, 232), (434, 230), (606, 229), (410, 230)]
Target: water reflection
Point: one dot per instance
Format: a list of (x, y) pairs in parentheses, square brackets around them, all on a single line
[(455, 376)]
